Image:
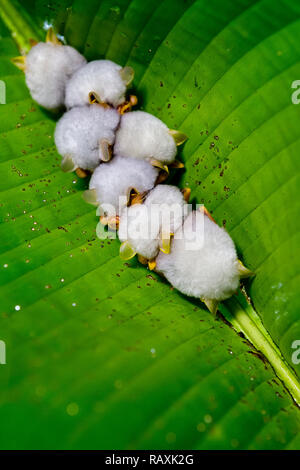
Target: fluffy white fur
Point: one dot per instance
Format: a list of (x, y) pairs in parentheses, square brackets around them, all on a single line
[(99, 76), (144, 136), (141, 232), (115, 179), (79, 131), (143, 224), (201, 264), (170, 203), (48, 68)]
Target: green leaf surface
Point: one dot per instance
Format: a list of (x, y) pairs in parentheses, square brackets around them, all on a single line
[(102, 353)]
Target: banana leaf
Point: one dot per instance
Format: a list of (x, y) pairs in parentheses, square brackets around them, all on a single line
[(102, 354)]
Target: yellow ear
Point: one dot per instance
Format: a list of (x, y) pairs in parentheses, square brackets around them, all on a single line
[(127, 75), (212, 305), (166, 242), (178, 136), (135, 197), (105, 152), (126, 251), (20, 62), (90, 196), (208, 214), (67, 165), (51, 37), (243, 271), (159, 164), (176, 164), (186, 194), (95, 98)]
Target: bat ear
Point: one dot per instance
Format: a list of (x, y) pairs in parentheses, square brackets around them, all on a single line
[(135, 197), (186, 192), (166, 242), (67, 165), (178, 136), (51, 37), (127, 75), (212, 305), (176, 164), (204, 211), (93, 97), (159, 165), (90, 196), (20, 62), (244, 272), (126, 251), (105, 152)]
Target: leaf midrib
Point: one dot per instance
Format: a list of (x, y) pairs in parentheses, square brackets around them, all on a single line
[(246, 320)]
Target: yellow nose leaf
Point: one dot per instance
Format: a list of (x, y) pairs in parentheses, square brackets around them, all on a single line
[(81, 173), (133, 100), (126, 106), (113, 222), (104, 220)]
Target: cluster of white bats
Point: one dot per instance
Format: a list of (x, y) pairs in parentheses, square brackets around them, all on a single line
[(129, 154)]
